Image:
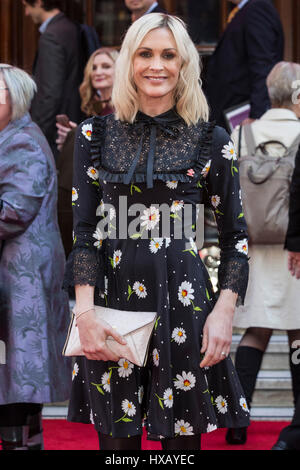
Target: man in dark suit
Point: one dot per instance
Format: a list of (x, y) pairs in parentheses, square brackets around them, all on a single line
[(56, 68), (139, 8), (289, 438), (251, 45)]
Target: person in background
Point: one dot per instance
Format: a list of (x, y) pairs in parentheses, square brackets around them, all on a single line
[(56, 67), (250, 46), (95, 92), (34, 309), (289, 438), (139, 8), (272, 300)]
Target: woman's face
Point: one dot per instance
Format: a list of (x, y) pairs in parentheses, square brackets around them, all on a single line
[(156, 66), (5, 104), (103, 72)]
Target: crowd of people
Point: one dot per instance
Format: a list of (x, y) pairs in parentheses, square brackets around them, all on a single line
[(140, 124)]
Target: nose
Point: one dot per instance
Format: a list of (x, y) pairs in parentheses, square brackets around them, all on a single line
[(156, 64)]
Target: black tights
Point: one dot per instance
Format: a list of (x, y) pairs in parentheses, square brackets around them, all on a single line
[(135, 443)]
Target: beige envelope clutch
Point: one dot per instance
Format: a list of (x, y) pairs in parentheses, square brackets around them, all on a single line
[(136, 327)]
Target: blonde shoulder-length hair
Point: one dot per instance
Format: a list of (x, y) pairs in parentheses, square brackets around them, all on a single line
[(190, 100), (86, 90)]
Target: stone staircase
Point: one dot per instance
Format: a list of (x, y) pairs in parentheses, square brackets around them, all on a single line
[(273, 398)]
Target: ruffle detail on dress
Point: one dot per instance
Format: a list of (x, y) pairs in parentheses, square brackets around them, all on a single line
[(233, 274), (111, 177), (85, 266), (98, 137), (204, 153)]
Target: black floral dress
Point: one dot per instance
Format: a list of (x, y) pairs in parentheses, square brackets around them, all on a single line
[(151, 162)]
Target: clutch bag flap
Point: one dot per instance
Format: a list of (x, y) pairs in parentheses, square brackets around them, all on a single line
[(136, 327)]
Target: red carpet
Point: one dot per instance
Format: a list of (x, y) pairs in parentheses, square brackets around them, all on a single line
[(62, 435)]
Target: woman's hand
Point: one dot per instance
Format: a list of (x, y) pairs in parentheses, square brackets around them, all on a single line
[(93, 333), (63, 132), (217, 331)]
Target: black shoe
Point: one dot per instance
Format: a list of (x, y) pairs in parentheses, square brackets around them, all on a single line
[(281, 445), (236, 436), (14, 437), (35, 439)]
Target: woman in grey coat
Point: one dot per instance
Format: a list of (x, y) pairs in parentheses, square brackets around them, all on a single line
[(34, 310)]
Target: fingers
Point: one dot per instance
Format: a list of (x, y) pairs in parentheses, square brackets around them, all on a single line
[(63, 129), (217, 351), (101, 354), (117, 337), (73, 124)]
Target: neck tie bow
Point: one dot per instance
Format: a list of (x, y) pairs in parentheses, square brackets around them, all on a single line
[(167, 123)]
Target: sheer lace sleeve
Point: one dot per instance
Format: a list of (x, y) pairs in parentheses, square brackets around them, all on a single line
[(225, 199), (85, 263)]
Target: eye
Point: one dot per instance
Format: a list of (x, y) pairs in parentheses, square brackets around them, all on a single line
[(145, 54), (169, 55)]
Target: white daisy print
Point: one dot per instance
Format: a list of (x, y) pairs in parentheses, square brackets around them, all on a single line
[(128, 407), (105, 381), (140, 290), (177, 206), (140, 394), (75, 370), (168, 398), (179, 335), (185, 382), (91, 417), (87, 131), (172, 184), (99, 237), (244, 405), (221, 404), (211, 427), (185, 293), (74, 194), (168, 241), (117, 258), (155, 355), (215, 201), (92, 173), (183, 428), (150, 218), (242, 246), (229, 152), (125, 368), (206, 169), (155, 244)]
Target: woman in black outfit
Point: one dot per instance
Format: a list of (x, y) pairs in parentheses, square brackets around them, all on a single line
[(157, 148)]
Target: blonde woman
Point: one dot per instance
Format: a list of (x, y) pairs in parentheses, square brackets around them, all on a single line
[(96, 88), (95, 92), (158, 148)]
